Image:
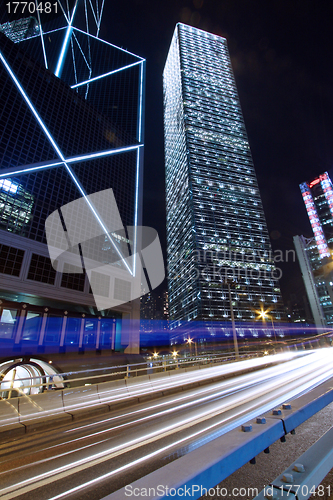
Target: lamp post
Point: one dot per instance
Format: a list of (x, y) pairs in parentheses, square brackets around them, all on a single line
[(190, 342), (230, 283), (264, 315), (174, 355)]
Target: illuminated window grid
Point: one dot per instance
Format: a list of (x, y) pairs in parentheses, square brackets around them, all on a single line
[(213, 201)]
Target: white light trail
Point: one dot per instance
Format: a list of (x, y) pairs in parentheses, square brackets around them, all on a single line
[(292, 378)]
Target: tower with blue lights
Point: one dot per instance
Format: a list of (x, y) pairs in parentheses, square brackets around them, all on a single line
[(216, 229), (71, 113)]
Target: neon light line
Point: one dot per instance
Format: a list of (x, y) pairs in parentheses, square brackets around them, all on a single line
[(137, 180), (110, 44), (84, 57), (97, 13), (65, 44), (136, 209), (41, 35), (100, 18), (69, 170), (105, 74), (73, 57), (63, 11), (140, 103), (8, 172), (100, 154), (92, 10)]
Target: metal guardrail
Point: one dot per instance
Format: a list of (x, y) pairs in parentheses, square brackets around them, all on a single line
[(301, 479), (62, 380), (211, 463)]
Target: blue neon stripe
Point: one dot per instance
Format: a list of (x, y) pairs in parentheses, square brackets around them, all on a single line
[(110, 44), (65, 44), (92, 156), (105, 74)]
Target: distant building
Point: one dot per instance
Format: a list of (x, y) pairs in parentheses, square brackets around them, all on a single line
[(154, 324), (216, 228), (314, 254), (318, 286), (20, 29), (318, 199)]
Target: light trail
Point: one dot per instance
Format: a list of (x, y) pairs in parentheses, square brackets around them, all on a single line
[(230, 387), (260, 395), (138, 389)]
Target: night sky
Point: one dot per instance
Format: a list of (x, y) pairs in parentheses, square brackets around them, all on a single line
[(281, 53)]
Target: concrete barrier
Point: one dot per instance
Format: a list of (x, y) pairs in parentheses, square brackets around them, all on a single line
[(41, 409), (112, 391), (78, 400), (10, 418)]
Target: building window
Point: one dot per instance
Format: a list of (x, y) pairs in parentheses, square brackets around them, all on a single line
[(10, 260), (122, 290), (8, 321), (72, 278), (41, 270)]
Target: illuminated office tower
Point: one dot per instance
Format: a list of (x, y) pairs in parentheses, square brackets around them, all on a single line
[(315, 254), (71, 107), (318, 199), (216, 227), (317, 286)]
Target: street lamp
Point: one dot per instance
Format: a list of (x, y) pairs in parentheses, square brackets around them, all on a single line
[(190, 342), (264, 315), (174, 355)]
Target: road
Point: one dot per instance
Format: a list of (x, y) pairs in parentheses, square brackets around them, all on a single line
[(90, 459)]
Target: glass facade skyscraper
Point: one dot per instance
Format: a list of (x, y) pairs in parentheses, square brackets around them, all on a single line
[(318, 199), (216, 229), (71, 115)]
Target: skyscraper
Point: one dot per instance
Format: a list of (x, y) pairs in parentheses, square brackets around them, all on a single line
[(318, 199), (317, 286), (71, 108), (314, 254), (216, 228)]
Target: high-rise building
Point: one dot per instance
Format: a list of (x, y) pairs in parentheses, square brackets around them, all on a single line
[(71, 113), (316, 290), (315, 254), (318, 199), (216, 227)]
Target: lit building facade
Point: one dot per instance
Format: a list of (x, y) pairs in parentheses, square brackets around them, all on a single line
[(216, 229), (318, 199), (71, 113), (314, 254)]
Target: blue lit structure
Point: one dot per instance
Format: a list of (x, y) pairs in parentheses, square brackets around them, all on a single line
[(216, 229), (71, 116)]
